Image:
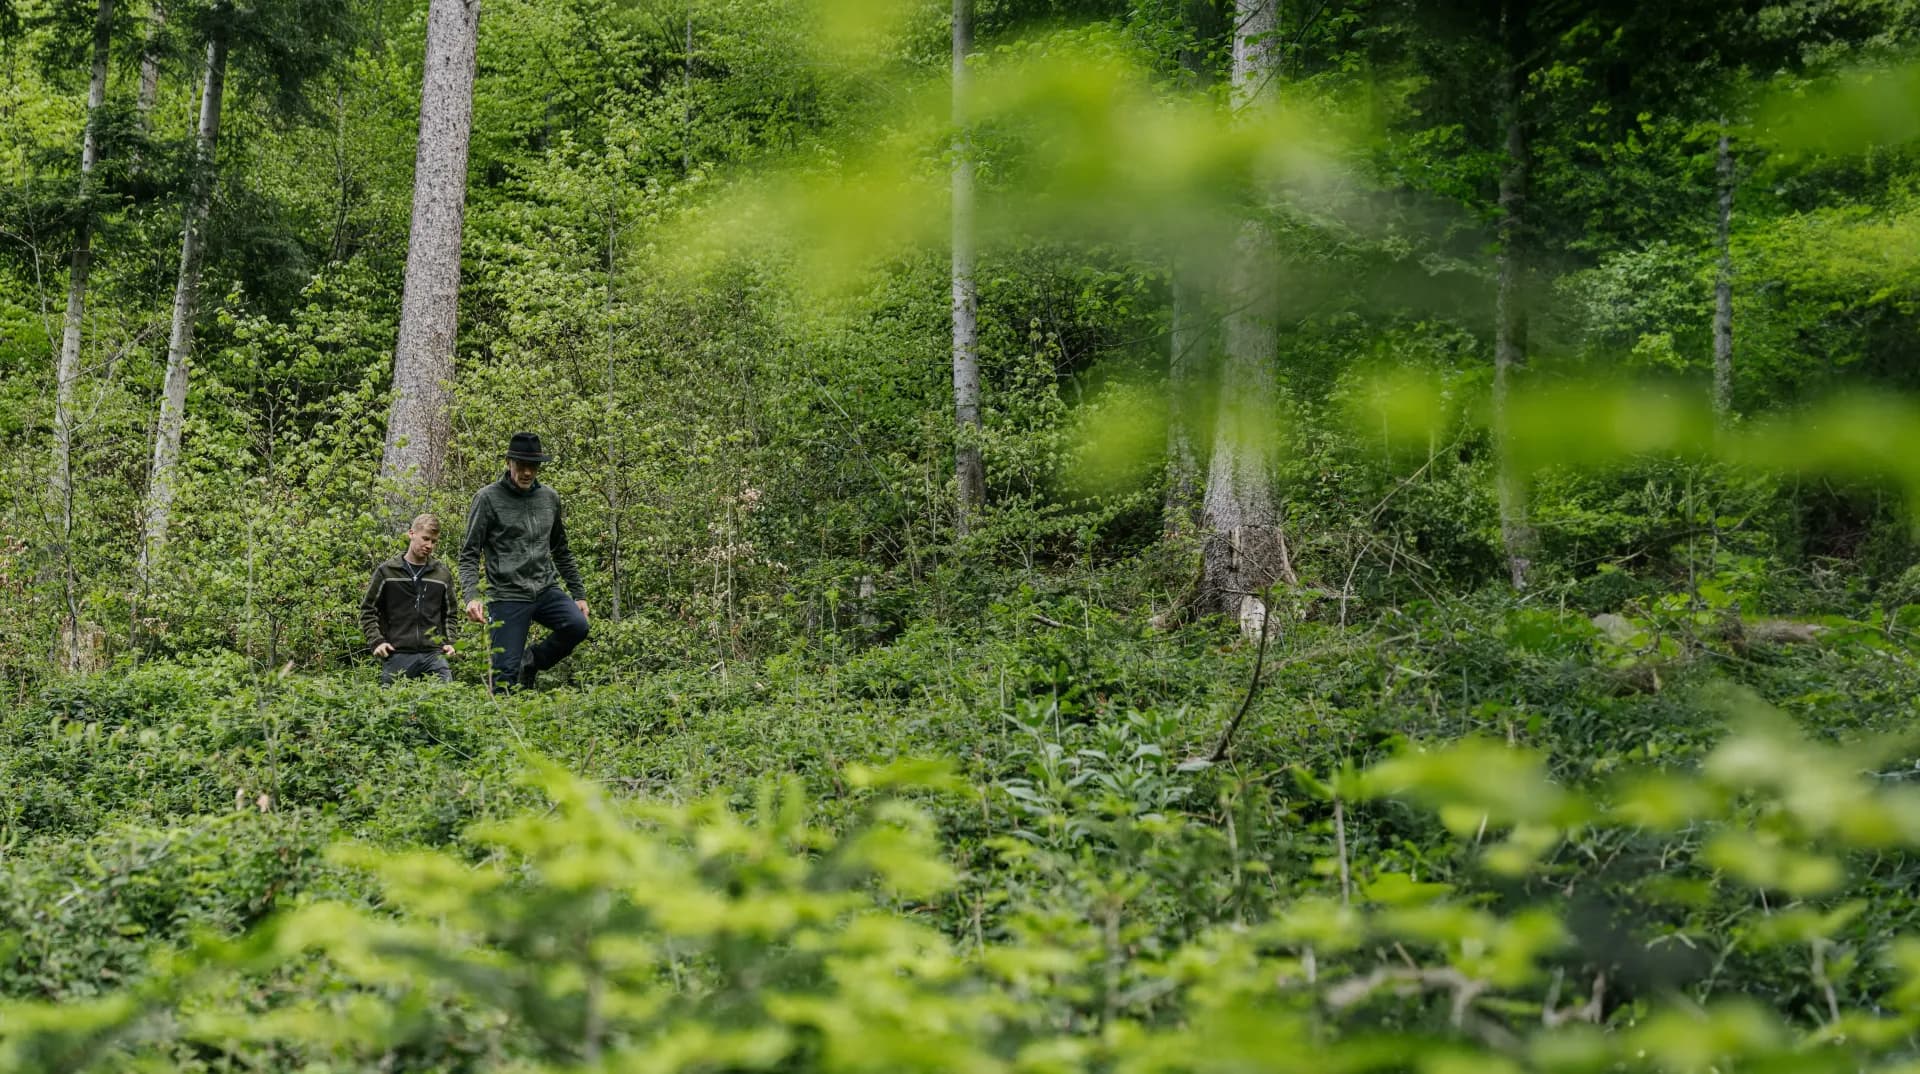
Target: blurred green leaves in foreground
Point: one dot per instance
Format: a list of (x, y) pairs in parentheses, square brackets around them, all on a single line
[(1594, 423), (602, 934), (1078, 135)]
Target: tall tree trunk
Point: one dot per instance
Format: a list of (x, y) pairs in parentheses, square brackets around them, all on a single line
[(616, 500), (1723, 287), (1245, 551), (149, 80), (1186, 362), (186, 306), (1510, 329), (419, 424), (969, 471), (686, 104), (150, 63), (68, 369)]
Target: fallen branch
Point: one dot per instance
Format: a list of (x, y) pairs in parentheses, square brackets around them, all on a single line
[(1407, 981), (1253, 682)]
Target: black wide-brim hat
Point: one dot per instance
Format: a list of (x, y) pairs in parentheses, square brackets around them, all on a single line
[(526, 448)]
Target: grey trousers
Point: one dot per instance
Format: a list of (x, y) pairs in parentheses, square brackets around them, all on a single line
[(415, 666)]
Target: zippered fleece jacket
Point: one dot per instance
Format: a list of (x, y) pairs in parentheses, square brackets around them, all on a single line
[(413, 617), (523, 536)]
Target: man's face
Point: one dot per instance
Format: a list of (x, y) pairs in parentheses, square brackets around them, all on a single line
[(421, 543), (522, 472)]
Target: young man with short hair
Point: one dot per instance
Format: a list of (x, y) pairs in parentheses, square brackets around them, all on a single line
[(407, 614), (517, 525)]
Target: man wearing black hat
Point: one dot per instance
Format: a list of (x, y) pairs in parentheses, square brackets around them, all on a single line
[(516, 524)]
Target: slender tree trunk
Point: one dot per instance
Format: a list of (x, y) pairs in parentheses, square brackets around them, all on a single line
[(149, 80), (1186, 362), (1723, 288), (150, 63), (615, 500), (1517, 536), (1244, 550), (686, 104), (969, 471), (419, 424), (68, 369), (186, 306), (343, 146)]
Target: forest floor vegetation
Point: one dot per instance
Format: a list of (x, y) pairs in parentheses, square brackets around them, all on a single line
[(1064, 835)]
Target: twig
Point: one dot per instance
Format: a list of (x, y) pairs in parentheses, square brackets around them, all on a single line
[(1340, 843), (1346, 587), (1826, 983), (1465, 989), (1553, 1016), (1253, 682), (1286, 564), (1226, 739)]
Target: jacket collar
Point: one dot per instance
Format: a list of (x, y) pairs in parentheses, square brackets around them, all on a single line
[(506, 482), (399, 563)]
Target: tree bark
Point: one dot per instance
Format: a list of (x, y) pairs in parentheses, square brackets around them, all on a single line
[(616, 501), (1723, 287), (1186, 363), (419, 424), (186, 306), (150, 63), (686, 104), (969, 471), (1517, 535), (68, 369), (1244, 550)]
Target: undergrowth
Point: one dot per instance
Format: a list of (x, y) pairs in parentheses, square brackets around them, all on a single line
[(1474, 832)]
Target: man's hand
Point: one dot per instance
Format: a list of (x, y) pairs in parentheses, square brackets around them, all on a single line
[(383, 650), (582, 605), (476, 611), (446, 650)]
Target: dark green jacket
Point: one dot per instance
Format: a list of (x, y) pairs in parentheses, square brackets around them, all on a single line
[(413, 617), (524, 539)]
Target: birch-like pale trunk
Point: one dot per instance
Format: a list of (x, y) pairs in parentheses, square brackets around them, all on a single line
[(186, 307), (1186, 362), (616, 500), (686, 103), (969, 471), (419, 424), (1244, 550), (68, 369), (1517, 536), (1723, 287), (150, 63), (1187, 354), (82, 260)]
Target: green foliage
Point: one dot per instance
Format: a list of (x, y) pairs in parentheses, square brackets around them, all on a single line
[(1080, 900), (143, 888), (1079, 885), (850, 792)]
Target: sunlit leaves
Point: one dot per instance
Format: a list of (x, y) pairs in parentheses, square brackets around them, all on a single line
[(1473, 783), (1120, 439), (1074, 141), (1856, 111)]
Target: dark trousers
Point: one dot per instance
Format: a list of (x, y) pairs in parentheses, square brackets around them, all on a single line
[(414, 666), (512, 619)]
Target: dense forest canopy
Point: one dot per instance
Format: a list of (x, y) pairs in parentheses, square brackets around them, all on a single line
[(1171, 535)]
